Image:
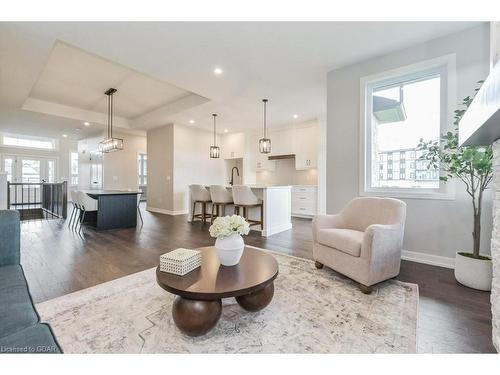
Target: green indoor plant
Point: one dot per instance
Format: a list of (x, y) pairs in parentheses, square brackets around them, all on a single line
[(473, 166)]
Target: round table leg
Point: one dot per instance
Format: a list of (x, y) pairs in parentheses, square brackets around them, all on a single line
[(257, 300), (195, 317)]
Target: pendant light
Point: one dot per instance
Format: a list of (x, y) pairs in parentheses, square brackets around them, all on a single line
[(215, 150), (265, 143), (110, 144)]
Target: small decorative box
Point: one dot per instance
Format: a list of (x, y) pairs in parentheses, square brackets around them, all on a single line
[(180, 261)]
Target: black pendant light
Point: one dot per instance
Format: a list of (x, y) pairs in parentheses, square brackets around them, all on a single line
[(214, 149), (110, 144), (265, 143)]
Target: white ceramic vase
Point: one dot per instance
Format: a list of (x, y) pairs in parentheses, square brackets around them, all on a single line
[(474, 273), (230, 249)]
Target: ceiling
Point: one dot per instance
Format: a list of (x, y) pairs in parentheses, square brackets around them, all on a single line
[(164, 71)]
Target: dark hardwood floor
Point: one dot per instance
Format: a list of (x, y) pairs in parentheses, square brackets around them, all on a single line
[(452, 318)]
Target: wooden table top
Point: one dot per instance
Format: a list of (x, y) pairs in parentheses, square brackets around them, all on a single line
[(211, 281)]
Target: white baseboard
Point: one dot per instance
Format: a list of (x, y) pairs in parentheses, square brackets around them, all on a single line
[(276, 229), (166, 212), (434, 260)]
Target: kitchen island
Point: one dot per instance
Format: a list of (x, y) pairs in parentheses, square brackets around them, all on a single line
[(277, 208), (116, 209)]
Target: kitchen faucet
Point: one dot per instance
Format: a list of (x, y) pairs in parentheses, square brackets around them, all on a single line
[(232, 177)]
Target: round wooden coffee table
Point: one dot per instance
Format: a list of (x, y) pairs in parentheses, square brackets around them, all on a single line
[(198, 306)]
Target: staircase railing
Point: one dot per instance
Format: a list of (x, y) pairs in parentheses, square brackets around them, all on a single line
[(36, 200)]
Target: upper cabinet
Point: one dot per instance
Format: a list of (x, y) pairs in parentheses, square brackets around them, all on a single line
[(306, 147), (233, 145), (282, 142)]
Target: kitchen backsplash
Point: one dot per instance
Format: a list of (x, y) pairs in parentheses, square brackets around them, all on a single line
[(286, 174)]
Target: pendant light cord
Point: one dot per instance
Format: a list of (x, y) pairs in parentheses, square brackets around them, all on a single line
[(265, 117), (215, 115), (109, 112), (111, 117)]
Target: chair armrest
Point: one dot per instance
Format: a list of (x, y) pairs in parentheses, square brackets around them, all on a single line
[(382, 241), (9, 237), (324, 222)]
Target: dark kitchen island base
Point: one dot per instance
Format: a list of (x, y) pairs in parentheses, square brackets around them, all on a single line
[(116, 209)]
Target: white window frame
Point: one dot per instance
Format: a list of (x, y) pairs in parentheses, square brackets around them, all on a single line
[(43, 167), (446, 67), (70, 182), (55, 143), (138, 168)]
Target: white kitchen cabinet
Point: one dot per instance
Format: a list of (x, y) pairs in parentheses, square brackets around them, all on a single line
[(233, 146), (282, 142), (304, 201), (264, 164), (306, 147)]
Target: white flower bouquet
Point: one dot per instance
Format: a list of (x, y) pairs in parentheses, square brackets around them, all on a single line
[(225, 226)]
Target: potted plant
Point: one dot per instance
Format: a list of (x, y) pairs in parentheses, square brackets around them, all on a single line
[(229, 244), (473, 166)]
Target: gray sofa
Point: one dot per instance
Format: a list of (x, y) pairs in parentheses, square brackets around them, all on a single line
[(20, 327)]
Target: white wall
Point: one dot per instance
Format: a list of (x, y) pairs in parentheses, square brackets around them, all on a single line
[(192, 163), (436, 227), (178, 156), (120, 167), (160, 148)]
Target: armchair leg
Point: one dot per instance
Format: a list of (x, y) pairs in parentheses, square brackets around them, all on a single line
[(318, 265), (365, 289)]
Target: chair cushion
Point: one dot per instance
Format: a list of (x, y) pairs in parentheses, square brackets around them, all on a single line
[(34, 339), (16, 309), (346, 240)]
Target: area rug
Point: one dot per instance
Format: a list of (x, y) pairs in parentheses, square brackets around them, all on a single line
[(313, 311)]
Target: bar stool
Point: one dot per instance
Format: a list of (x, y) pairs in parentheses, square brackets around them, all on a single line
[(220, 197), (199, 194), (87, 204), (244, 197), (76, 208)]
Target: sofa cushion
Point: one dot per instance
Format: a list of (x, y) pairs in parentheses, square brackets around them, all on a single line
[(34, 339), (346, 240), (16, 309)]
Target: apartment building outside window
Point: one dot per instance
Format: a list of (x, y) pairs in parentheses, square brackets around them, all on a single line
[(400, 108)]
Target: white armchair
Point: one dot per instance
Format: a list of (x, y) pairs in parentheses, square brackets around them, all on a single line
[(363, 241)]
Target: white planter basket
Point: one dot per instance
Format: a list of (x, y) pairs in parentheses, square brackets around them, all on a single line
[(474, 273), (230, 249)]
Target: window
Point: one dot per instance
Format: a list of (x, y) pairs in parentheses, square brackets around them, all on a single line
[(381, 167), (142, 168), (51, 171), (399, 109), (7, 167), (30, 170), (74, 168), (29, 142)]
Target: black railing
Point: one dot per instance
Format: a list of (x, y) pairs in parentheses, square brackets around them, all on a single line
[(36, 200)]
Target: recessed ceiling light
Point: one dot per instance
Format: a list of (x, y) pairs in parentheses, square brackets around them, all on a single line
[(225, 130), (86, 123), (192, 121), (65, 136), (295, 116), (218, 71)]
